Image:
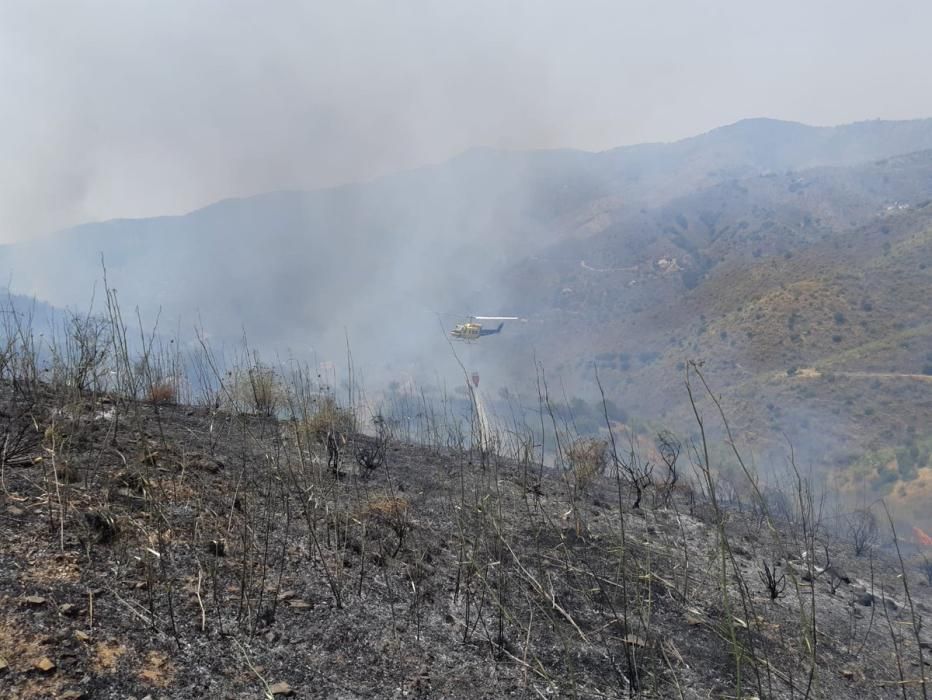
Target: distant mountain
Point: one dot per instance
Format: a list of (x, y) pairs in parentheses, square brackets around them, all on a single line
[(763, 247), (292, 265)]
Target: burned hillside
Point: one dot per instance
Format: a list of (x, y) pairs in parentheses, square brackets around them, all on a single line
[(163, 550)]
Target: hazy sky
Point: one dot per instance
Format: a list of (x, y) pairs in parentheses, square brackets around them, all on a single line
[(132, 108)]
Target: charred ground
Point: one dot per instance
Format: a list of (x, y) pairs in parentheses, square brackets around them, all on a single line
[(173, 551)]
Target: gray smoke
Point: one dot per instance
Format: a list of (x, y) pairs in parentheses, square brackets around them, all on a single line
[(144, 108)]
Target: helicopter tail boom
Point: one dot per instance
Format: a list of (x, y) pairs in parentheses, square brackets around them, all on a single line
[(493, 331)]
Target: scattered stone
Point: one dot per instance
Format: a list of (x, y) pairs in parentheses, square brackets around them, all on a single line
[(68, 609), (35, 600), (281, 689), (103, 524), (68, 474), (82, 636), (45, 664), (204, 464)]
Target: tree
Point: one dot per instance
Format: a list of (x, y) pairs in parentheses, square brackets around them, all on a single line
[(862, 526)]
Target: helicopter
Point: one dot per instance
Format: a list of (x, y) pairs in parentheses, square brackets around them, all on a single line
[(472, 329)]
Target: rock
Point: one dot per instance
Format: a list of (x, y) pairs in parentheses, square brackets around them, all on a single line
[(35, 600), (14, 511), (890, 604), (287, 595), (3, 665), (281, 689), (45, 664), (67, 609), (82, 636), (103, 524)]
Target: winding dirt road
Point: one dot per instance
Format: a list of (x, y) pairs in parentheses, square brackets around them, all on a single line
[(813, 373)]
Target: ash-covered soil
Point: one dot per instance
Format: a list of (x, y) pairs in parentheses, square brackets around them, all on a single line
[(173, 552)]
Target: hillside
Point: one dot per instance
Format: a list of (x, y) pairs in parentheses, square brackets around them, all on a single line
[(826, 268), (765, 249), (447, 233), (181, 552)]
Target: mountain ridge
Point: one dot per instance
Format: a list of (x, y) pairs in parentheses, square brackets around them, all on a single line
[(633, 257)]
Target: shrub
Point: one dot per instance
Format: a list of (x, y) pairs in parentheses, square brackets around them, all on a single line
[(587, 458), (329, 418), (862, 526), (255, 390), (163, 392), (391, 512), (263, 390)]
